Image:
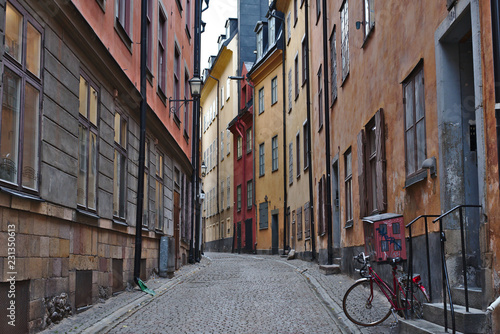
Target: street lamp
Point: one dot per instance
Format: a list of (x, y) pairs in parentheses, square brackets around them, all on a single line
[(203, 169), (195, 85)]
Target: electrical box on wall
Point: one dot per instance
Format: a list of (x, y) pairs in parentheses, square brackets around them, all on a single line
[(384, 237)]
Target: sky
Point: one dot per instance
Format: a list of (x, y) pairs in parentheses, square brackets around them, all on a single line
[(215, 17)]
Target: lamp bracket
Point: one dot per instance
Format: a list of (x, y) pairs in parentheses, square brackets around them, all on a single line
[(175, 108)]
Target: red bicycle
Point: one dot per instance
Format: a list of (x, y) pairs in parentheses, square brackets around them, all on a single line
[(370, 300)]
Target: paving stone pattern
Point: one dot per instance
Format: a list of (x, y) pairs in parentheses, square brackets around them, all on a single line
[(231, 293)]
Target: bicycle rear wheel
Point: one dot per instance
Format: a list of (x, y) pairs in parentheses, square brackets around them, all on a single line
[(363, 307), (419, 298)]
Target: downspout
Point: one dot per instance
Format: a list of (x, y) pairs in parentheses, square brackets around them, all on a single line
[(285, 202), (142, 149), (327, 140), (308, 89), (253, 163)]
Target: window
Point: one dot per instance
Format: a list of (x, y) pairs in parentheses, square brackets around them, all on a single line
[(320, 97), (289, 26), (228, 182), (149, 35), (262, 169), (188, 17), (123, 15), (261, 100), (228, 141), (21, 101), (321, 206), (87, 145), (272, 30), (186, 105), (222, 97), (333, 64), (249, 140), (348, 187), (222, 195), (304, 61), (296, 67), (318, 10), (263, 215), (274, 90), (260, 43), (238, 198), (162, 52), (344, 29), (414, 121), (228, 88), (307, 221), (371, 165), (249, 195), (177, 80), (120, 166), (295, 12), (222, 146), (290, 90), (275, 153), (305, 128), (159, 191), (239, 148), (297, 149), (290, 163), (369, 16)]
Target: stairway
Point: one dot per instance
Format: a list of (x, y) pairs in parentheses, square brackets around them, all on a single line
[(474, 321)]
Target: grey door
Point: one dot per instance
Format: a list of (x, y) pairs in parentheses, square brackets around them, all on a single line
[(336, 205)]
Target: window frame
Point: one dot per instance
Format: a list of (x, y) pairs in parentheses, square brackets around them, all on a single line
[(344, 33), (297, 152), (413, 176), (123, 22), (162, 52), (305, 129), (333, 65), (262, 160), (368, 18), (94, 129), (249, 140), (320, 97), (121, 149), (274, 90), (304, 61), (296, 69), (261, 101), (249, 194), (176, 78), (239, 148), (275, 153), (238, 198), (26, 77), (159, 190)]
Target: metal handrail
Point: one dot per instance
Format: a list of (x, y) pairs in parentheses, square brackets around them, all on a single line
[(446, 281), (409, 286)]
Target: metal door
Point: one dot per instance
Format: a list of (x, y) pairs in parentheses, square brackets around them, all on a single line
[(275, 234)]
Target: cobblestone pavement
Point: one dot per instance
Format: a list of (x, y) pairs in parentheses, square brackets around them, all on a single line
[(229, 293)]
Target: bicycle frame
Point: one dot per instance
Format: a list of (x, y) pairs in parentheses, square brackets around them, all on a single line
[(385, 288)]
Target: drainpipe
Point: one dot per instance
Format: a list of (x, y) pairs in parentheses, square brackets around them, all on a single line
[(142, 149), (327, 140), (218, 162), (253, 163), (308, 90)]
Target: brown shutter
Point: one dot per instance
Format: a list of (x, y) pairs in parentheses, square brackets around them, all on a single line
[(319, 205), (362, 174), (299, 223), (307, 233), (324, 204), (381, 163)]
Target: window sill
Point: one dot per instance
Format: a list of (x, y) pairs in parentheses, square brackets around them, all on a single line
[(320, 128), (119, 221), (188, 34), (120, 30), (263, 228), (149, 76), (21, 194), (272, 104), (344, 80), (416, 178), (298, 176), (349, 224), (160, 232), (274, 170), (86, 213), (262, 175), (162, 96), (368, 36), (186, 136), (177, 121)]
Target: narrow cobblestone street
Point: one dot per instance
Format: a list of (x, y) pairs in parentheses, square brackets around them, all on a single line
[(229, 293)]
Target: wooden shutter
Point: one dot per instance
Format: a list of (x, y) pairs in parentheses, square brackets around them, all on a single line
[(362, 174), (381, 162), (323, 221), (299, 223), (263, 215), (307, 232), (319, 196)]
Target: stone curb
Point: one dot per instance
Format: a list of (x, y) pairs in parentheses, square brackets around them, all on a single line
[(336, 310), (115, 318)]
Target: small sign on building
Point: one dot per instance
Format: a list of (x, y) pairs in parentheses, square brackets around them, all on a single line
[(384, 237)]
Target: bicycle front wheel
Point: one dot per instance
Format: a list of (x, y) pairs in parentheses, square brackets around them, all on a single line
[(365, 304)]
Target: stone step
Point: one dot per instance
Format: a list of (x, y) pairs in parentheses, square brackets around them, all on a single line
[(329, 269), (420, 327), (475, 297), (337, 261), (474, 321)]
